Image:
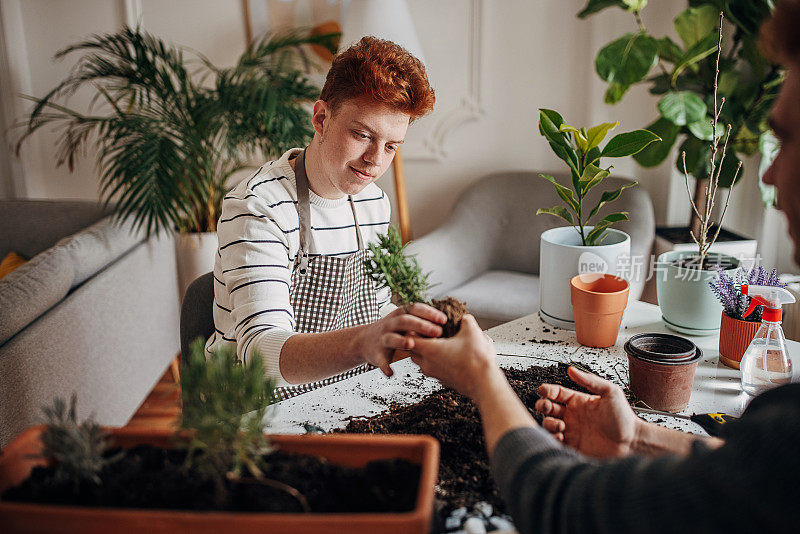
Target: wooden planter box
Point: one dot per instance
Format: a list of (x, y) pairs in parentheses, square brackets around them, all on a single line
[(350, 450)]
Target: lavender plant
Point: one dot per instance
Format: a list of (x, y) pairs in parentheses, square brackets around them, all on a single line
[(728, 289)]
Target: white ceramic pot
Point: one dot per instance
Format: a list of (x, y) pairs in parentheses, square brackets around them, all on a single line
[(195, 256), (562, 256)]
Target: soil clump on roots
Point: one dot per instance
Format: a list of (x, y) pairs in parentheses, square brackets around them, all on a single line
[(455, 310)]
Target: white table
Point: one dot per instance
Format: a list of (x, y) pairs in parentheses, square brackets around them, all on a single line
[(716, 387)]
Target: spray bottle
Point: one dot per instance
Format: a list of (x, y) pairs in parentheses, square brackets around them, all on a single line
[(765, 363)]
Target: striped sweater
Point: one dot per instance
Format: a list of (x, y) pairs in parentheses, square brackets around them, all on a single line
[(259, 238)]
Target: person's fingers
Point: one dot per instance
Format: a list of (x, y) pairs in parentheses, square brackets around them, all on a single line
[(386, 368), (556, 393), (426, 312), (548, 407), (590, 381), (411, 323), (553, 425), (417, 358), (393, 340), (559, 436)]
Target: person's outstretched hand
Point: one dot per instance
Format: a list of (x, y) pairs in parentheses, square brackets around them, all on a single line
[(397, 331), (601, 424), (466, 362)]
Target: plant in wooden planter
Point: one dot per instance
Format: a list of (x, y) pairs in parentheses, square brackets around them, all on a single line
[(589, 244), (219, 464), (736, 330), (77, 451), (391, 267)]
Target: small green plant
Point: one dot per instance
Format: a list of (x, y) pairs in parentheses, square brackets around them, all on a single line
[(580, 150), (390, 267), (76, 450), (224, 408)]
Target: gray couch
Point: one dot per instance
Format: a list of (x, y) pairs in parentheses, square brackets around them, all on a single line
[(94, 311), (487, 252)]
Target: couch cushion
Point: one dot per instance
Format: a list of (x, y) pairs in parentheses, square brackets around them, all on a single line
[(98, 245), (32, 289), (500, 295)]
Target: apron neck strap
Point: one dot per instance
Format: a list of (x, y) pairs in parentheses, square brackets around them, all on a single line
[(304, 211)]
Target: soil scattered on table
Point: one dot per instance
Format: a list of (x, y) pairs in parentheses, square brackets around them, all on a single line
[(451, 418)]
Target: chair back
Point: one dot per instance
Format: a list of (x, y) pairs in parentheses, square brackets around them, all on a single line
[(504, 204), (197, 318)]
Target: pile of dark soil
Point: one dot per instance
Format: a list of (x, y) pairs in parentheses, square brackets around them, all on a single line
[(453, 419), (454, 309), (152, 477)]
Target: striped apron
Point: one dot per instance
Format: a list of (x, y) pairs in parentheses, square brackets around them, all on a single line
[(327, 293)]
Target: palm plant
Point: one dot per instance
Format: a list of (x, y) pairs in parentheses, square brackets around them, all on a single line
[(168, 139)]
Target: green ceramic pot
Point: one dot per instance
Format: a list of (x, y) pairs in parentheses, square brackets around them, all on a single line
[(687, 303)]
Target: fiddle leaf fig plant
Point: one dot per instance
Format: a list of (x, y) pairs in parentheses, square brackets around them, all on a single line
[(682, 73), (580, 149)]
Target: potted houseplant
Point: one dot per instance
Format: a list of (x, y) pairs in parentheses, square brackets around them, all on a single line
[(682, 74), (584, 246), (219, 472), (168, 135), (736, 330), (390, 267), (687, 303)]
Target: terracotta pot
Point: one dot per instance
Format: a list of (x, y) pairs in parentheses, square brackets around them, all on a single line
[(351, 450), (735, 336), (598, 301), (661, 370)]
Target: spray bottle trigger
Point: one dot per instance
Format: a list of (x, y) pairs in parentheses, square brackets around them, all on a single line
[(756, 300)]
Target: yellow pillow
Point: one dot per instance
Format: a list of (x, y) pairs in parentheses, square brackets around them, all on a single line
[(11, 262)]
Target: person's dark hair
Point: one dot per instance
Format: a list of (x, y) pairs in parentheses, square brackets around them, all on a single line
[(780, 34), (382, 71)]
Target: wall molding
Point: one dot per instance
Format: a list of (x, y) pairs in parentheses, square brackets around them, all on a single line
[(15, 77), (432, 147)]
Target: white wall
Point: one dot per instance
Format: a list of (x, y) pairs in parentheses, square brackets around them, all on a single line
[(493, 63)]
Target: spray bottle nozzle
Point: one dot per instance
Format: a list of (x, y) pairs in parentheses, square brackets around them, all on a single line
[(772, 298)]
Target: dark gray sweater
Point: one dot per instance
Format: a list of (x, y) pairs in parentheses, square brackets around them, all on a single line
[(750, 484)]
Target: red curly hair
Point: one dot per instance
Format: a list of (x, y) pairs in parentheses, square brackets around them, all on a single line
[(383, 72)]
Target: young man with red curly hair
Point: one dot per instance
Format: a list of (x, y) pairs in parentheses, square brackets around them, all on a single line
[(289, 276)]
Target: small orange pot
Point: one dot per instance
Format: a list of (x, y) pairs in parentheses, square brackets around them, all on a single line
[(16, 463), (735, 336), (598, 302)]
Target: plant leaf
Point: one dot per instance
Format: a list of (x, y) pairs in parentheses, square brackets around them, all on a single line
[(564, 192), (558, 211), (695, 23), (669, 51), (614, 93), (701, 49), (609, 196), (654, 153), (682, 107), (627, 60), (593, 6), (596, 134), (768, 145), (626, 144), (592, 175), (703, 130), (596, 235)]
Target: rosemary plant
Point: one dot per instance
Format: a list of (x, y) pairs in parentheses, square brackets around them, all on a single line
[(224, 407), (76, 450), (728, 289), (390, 267)]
